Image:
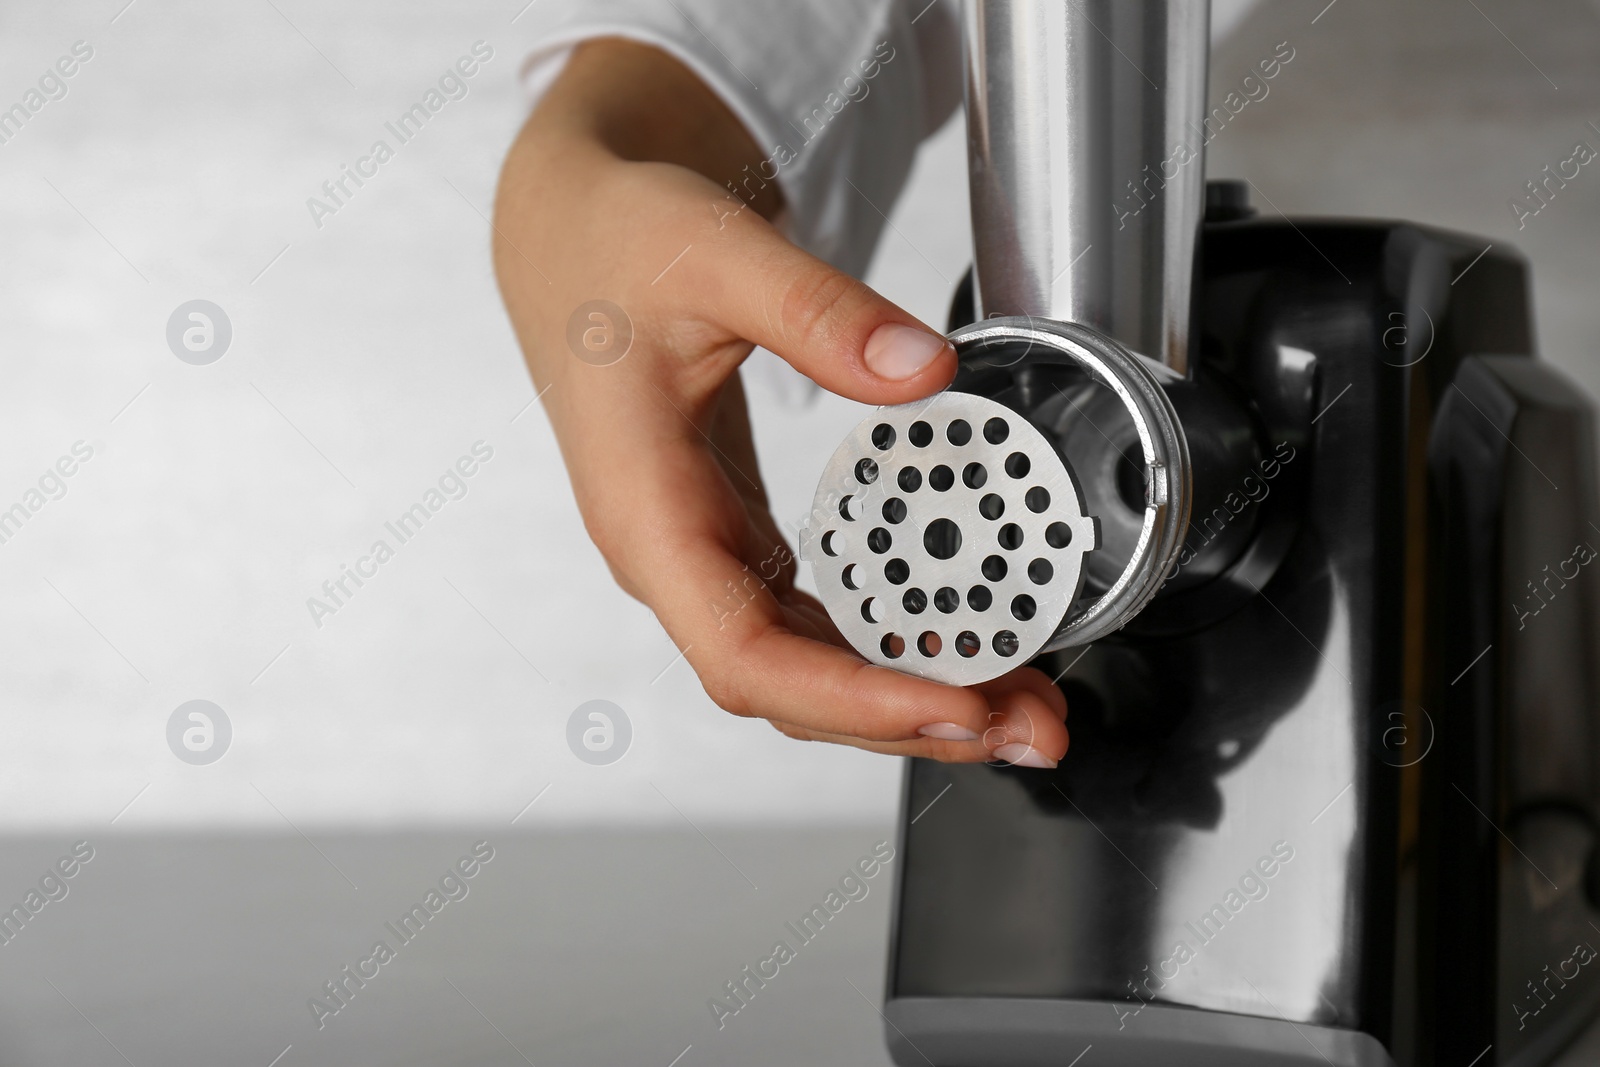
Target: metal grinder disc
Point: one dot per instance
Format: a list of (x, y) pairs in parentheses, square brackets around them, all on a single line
[(948, 538)]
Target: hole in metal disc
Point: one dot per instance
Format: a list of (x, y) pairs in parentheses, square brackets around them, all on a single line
[(883, 436), (991, 506), (848, 577), (849, 511), (958, 432), (967, 644), (920, 434), (893, 646), (872, 611), (942, 538), (929, 644), (910, 480), (973, 476), (1040, 571), (879, 540), (1006, 643), (1022, 608), (1038, 499), (867, 471), (1058, 535), (995, 431), (1018, 465), (947, 600), (827, 544), (941, 478), (979, 598), (897, 571), (915, 601), (894, 510), (994, 568), (1010, 536)]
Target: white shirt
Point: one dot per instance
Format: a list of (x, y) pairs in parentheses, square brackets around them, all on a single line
[(837, 93)]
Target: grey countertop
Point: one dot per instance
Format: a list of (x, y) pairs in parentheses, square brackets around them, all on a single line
[(585, 947), (574, 948)]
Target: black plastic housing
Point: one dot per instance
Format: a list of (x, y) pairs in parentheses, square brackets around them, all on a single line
[(1367, 691)]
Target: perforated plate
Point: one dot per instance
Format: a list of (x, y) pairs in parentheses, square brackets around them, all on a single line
[(947, 538)]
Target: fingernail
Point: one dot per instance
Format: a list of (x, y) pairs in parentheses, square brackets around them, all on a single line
[(948, 731), (1020, 755), (897, 352)]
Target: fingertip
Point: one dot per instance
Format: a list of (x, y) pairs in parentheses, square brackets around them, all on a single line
[(1018, 754), (948, 731), (1031, 680), (1024, 717), (897, 353)]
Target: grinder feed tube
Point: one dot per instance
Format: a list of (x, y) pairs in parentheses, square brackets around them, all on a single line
[(958, 537), (1085, 172)]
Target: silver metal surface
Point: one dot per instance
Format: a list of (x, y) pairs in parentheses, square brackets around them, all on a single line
[(873, 541), (1085, 148), (948, 538), (1134, 381)]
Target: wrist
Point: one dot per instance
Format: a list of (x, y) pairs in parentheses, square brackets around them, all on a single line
[(639, 104)]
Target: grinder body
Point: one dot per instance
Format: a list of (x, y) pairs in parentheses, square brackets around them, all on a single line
[(1320, 596), (1340, 810)]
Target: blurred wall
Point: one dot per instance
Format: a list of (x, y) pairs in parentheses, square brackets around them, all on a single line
[(1437, 111), (370, 353)]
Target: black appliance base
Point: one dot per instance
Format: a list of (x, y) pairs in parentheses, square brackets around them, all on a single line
[(967, 1032)]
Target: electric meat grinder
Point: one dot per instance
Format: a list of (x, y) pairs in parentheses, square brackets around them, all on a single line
[(1303, 531)]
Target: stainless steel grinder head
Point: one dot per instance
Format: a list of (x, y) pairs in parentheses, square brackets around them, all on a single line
[(947, 538)]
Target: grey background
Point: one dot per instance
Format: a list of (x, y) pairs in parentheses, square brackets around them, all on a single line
[(366, 357)]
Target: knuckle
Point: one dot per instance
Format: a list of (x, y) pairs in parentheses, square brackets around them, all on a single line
[(611, 541), (624, 583), (818, 302), (725, 692), (604, 537), (613, 551), (793, 732)]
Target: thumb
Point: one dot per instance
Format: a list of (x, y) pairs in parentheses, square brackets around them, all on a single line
[(830, 327)]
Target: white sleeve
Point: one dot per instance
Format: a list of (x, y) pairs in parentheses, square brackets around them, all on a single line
[(838, 94)]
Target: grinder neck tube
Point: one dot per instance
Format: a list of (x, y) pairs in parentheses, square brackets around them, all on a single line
[(1086, 155)]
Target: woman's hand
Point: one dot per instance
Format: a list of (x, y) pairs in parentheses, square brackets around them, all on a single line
[(616, 190)]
